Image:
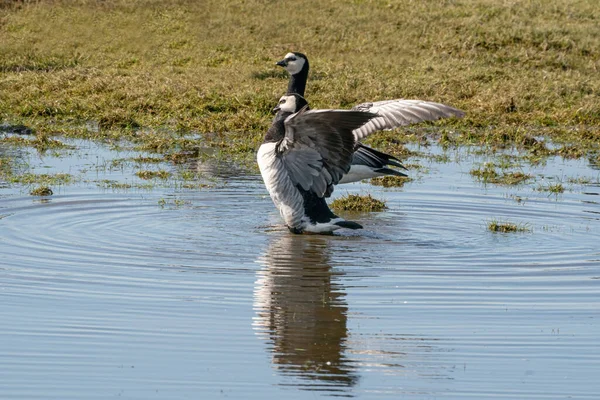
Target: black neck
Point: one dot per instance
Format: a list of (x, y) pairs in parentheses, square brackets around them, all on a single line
[(297, 82), (277, 130)]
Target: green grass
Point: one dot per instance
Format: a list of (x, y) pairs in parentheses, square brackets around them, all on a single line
[(116, 68), (354, 202)]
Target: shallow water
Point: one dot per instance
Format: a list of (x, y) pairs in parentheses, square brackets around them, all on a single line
[(172, 293)]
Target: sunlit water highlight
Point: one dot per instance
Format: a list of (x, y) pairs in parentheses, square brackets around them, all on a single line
[(108, 293)]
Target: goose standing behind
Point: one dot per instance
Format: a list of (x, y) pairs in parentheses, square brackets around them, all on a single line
[(304, 154), (296, 64), (391, 113)]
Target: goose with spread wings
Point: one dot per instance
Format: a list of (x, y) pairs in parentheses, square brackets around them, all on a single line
[(304, 154)]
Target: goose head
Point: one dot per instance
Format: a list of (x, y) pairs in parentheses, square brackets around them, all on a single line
[(294, 62), (290, 103)]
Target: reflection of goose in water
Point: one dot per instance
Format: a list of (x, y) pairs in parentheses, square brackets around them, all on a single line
[(302, 313)]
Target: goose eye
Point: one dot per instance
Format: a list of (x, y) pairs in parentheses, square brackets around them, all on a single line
[(282, 101), (292, 58)]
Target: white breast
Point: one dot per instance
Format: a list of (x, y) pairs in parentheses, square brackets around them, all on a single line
[(284, 194)]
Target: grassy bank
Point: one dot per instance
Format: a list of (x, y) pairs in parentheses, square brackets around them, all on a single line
[(153, 71)]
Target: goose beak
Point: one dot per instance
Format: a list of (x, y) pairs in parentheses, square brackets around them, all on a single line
[(281, 63), (276, 109)]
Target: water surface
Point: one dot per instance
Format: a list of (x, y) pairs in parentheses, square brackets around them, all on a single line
[(173, 293)]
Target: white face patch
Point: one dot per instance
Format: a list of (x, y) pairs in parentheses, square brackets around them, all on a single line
[(294, 63), (287, 104)]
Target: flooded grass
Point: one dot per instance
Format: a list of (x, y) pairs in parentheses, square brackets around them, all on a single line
[(124, 186), (41, 143), (147, 160), (172, 203), (390, 181), (354, 202), (160, 174), (6, 165), (582, 180), (555, 188), (41, 191), (115, 185), (507, 227), (29, 179), (488, 174)]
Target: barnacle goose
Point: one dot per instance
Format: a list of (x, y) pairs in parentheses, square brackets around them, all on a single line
[(304, 154), (297, 66), (391, 113)]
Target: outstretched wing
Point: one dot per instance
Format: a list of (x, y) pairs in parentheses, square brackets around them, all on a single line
[(395, 113), (318, 145)]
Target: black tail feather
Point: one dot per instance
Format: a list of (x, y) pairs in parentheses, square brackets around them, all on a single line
[(389, 171), (374, 158)]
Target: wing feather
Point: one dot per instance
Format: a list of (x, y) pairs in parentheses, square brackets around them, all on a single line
[(318, 146), (400, 112)]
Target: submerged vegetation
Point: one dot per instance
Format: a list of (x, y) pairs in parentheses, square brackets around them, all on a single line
[(555, 188), (507, 227), (354, 202), (390, 181), (488, 174), (172, 203), (160, 174), (41, 191), (41, 142), (29, 179)]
